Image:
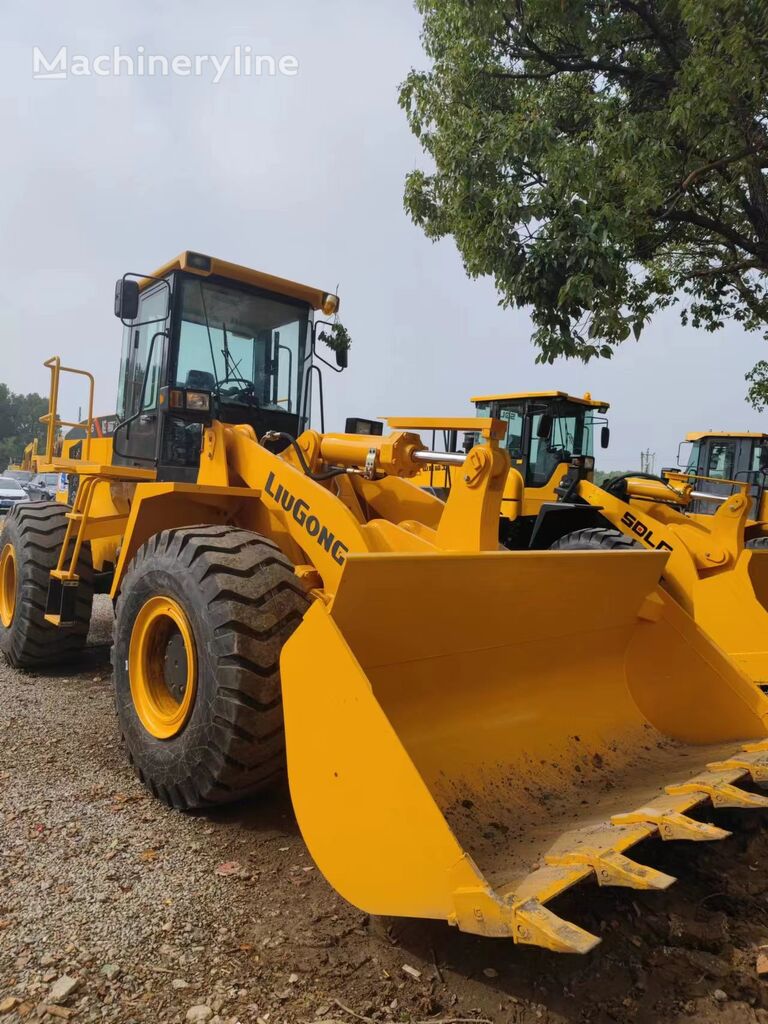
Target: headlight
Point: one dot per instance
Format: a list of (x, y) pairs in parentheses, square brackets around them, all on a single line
[(198, 401), (589, 462), (197, 261)]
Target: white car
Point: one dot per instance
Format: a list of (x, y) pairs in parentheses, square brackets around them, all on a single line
[(11, 493)]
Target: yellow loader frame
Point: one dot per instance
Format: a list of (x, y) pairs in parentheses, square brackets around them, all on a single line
[(367, 780), (469, 730)]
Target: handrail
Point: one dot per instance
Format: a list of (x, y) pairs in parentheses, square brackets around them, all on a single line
[(681, 474), (51, 419)]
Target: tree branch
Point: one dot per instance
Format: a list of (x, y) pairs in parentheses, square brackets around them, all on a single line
[(713, 226), (727, 269), (724, 161), (645, 15), (529, 49)]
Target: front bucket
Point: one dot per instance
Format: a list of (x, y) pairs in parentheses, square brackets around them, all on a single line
[(464, 731)]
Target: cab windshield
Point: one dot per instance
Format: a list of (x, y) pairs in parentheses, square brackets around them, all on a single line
[(246, 346)]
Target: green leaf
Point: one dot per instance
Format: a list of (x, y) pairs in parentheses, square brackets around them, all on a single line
[(584, 174)]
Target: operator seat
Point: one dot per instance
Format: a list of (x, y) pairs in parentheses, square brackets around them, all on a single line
[(201, 379)]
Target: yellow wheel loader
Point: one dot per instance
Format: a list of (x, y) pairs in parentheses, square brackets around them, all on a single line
[(719, 465), (551, 501), (28, 458), (469, 731), (545, 430)]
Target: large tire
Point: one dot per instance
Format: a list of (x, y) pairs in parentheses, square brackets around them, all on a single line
[(595, 538), (35, 534), (761, 543), (239, 601)]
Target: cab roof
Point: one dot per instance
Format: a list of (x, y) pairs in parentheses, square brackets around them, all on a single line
[(207, 266), (701, 434), (586, 399)]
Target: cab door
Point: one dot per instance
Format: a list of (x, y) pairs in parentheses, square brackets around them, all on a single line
[(718, 460), (142, 367)]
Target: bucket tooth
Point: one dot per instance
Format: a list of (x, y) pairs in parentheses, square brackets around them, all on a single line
[(756, 747), (754, 762), (719, 790), (517, 911), (537, 926), (612, 868), (672, 824)]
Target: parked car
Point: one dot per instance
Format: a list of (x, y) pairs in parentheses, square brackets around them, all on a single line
[(43, 487), (11, 493), (23, 476)]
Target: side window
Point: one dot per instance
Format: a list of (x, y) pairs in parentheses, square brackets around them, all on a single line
[(153, 369), (538, 460), (693, 458), (153, 304), (125, 358), (286, 355), (721, 460), (514, 421)]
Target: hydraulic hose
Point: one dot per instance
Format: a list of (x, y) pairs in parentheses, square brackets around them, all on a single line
[(328, 474)]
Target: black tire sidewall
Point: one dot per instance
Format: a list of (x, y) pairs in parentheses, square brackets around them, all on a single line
[(596, 538), (160, 758), (37, 530), (10, 535)]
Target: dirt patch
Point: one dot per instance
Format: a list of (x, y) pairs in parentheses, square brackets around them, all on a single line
[(126, 911)]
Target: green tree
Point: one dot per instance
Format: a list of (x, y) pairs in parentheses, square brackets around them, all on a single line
[(601, 475), (600, 159), (19, 423)]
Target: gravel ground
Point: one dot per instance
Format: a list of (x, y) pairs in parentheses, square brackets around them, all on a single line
[(113, 908)]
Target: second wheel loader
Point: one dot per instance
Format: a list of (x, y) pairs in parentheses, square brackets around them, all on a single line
[(721, 464), (715, 569), (469, 731)]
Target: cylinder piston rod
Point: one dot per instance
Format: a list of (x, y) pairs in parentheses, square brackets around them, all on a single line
[(706, 496), (440, 458)]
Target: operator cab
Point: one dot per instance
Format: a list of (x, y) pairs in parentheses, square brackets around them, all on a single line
[(726, 457), (205, 339), (546, 430)]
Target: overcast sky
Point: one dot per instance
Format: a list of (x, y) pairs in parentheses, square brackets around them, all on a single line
[(301, 176)]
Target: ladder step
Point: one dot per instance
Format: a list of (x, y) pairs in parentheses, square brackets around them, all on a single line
[(61, 601)]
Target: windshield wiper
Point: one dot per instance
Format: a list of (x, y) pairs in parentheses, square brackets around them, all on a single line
[(208, 329), (232, 371)]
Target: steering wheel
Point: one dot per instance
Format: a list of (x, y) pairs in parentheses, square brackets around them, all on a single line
[(246, 388)]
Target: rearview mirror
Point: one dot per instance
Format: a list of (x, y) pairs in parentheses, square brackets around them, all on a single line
[(126, 299), (605, 437), (545, 427), (156, 307)]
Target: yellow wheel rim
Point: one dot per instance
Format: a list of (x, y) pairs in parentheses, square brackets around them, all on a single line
[(7, 585), (162, 667)]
